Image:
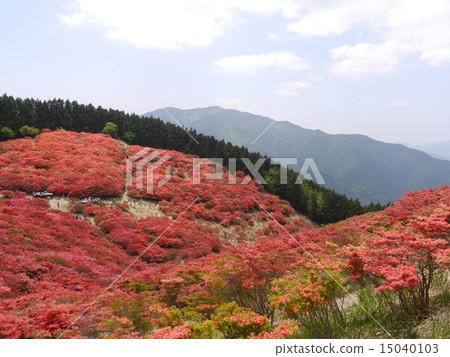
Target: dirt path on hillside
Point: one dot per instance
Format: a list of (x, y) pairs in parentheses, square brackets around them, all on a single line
[(138, 208), (141, 208)]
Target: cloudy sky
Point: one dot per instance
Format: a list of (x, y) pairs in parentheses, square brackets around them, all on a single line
[(379, 68)]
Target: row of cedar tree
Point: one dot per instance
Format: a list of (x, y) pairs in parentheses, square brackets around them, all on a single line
[(18, 118), (237, 263)]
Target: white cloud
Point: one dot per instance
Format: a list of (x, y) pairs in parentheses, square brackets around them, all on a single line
[(400, 103), (436, 57), (170, 24), (252, 64), (74, 20), (325, 18), (366, 59), (410, 29), (230, 102), (292, 88), (239, 104), (288, 8)]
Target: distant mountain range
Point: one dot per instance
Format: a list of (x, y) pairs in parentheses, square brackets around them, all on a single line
[(439, 150), (355, 165)]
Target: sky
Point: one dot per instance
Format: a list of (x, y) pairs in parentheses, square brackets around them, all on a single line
[(378, 68)]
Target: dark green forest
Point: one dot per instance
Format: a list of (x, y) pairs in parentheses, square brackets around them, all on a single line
[(21, 117)]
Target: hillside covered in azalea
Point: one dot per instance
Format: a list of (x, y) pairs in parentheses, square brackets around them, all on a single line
[(20, 118), (217, 259)]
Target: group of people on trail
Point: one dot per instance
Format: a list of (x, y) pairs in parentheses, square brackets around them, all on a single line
[(41, 194), (90, 199)]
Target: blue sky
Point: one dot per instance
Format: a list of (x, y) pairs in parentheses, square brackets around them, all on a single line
[(392, 83)]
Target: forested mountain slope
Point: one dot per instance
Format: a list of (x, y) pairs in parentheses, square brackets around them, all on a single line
[(354, 165)]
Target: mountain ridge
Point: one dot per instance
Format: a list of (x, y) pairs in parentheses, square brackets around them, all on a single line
[(439, 150), (352, 164)]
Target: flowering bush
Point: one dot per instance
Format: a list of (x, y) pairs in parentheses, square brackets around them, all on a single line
[(75, 164)]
